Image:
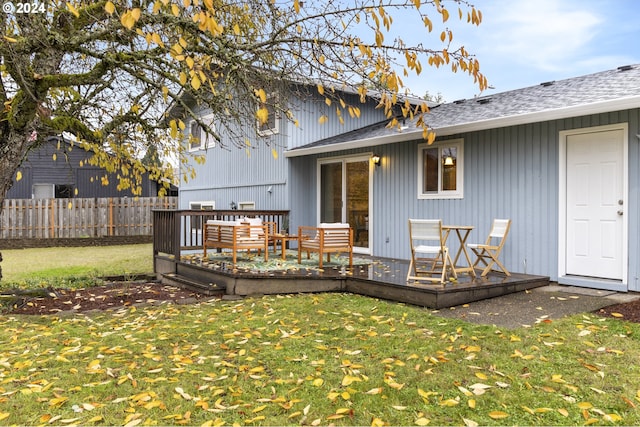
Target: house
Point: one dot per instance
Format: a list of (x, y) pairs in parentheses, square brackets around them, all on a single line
[(560, 159), (58, 169)]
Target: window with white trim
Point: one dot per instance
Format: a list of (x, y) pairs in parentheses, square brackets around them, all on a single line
[(198, 138), (440, 170), (272, 125)]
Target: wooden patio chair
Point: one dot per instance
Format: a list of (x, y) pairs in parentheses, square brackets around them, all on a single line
[(487, 253), (429, 255), (327, 238)]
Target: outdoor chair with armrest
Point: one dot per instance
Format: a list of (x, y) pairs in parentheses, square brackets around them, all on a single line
[(327, 238)]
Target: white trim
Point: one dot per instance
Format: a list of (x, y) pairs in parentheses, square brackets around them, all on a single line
[(440, 194), (209, 205), (562, 205), (344, 160), (206, 140), (513, 120)]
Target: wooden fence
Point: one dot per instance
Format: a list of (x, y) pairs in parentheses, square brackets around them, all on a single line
[(75, 218)]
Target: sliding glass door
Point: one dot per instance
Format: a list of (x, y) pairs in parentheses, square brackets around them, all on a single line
[(344, 193)]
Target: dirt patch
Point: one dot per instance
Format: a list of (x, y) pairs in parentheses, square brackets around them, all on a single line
[(114, 295), (123, 294), (629, 311)]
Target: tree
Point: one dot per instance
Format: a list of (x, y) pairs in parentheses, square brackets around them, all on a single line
[(106, 73)]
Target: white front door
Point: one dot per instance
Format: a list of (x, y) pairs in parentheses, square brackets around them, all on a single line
[(595, 204)]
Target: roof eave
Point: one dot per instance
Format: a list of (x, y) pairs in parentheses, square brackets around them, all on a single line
[(618, 104)]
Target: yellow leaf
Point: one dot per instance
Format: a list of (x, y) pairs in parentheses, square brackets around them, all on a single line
[(263, 115), (422, 421), (323, 119), (195, 82), (261, 94), (259, 409), (183, 78), (617, 315), (73, 10), (343, 411), (175, 10), (449, 402), (318, 382), (377, 422), (585, 405), (274, 153), (613, 418), (4, 415), (296, 6), (563, 412), (481, 375), (376, 390), (94, 419), (349, 379), (109, 7), (58, 401), (470, 423), (472, 403), (18, 176), (498, 415)]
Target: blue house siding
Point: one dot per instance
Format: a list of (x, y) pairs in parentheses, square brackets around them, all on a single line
[(235, 174), (510, 172)]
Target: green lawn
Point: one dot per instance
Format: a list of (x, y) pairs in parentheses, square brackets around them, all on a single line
[(46, 265), (313, 359)]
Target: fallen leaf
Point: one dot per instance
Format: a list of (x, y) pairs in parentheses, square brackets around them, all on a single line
[(498, 415)]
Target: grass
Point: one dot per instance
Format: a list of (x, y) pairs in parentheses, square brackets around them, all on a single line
[(48, 266), (314, 359)]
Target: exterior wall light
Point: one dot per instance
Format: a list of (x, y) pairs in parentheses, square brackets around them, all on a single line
[(376, 159)]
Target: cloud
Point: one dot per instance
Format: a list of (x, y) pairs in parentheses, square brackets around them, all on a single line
[(544, 34)]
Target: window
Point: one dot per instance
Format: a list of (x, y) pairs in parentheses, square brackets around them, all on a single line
[(64, 191), (198, 139), (203, 206), (440, 170), (272, 126)]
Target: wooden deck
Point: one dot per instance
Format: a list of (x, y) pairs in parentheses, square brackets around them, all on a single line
[(375, 277), (177, 249)]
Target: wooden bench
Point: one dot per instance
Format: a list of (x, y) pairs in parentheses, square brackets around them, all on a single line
[(325, 239), (236, 235)]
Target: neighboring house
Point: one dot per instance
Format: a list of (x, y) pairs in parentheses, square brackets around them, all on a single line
[(60, 170), (561, 160)]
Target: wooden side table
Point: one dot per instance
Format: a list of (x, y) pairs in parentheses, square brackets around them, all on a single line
[(283, 239)]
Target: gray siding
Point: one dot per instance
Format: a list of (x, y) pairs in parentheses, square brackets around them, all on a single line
[(40, 168), (236, 174), (508, 173)]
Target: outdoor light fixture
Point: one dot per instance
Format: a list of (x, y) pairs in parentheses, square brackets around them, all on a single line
[(448, 161), (376, 159)]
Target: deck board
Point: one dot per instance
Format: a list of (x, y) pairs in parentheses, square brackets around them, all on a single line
[(378, 278)]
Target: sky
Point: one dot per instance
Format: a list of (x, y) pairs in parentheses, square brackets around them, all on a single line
[(522, 43)]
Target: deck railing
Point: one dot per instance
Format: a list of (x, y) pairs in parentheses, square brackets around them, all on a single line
[(176, 231)]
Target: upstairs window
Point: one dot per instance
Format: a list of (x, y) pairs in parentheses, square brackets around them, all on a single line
[(272, 125), (198, 138), (440, 170)]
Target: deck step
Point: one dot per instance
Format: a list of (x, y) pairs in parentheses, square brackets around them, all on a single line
[(209, 289)]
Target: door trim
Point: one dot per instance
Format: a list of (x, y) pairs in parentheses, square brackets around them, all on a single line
[(563, 277), (344, 159)]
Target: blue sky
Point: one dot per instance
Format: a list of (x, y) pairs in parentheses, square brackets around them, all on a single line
[(522, 43)]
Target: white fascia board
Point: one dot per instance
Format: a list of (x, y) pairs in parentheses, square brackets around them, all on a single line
[(538, 116)]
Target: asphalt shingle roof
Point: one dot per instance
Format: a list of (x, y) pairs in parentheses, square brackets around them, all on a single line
[(612, 85)]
